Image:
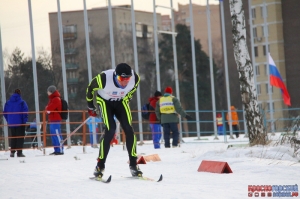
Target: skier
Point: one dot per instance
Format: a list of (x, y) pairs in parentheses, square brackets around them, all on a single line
[(114, 90)]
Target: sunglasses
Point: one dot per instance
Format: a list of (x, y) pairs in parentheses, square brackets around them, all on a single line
[(122, 78)]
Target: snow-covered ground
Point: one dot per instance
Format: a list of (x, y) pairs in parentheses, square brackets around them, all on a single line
[(67, 176)]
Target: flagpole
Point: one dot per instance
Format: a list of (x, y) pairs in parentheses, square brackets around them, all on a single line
[(268, 68)]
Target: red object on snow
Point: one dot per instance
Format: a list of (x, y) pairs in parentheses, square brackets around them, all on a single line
[(214, 167)]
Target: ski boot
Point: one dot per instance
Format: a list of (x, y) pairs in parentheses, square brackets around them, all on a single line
[(135, 171), (98, 173)]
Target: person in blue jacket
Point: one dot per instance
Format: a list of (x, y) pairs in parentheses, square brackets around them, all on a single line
[(90, 125), (16, 115)]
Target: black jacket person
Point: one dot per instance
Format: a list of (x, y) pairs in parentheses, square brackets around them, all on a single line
[(114, 90)]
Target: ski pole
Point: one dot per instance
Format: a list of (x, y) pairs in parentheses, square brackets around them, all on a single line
[(61, 143)]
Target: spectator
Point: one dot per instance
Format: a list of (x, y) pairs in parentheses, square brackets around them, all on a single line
[(167, 109), (220, 124), (53, 107), (234, 121), (16, 122), (154, 122), (90, 125)]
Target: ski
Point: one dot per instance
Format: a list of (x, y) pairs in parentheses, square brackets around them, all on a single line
[(146, 178), (101, 179)]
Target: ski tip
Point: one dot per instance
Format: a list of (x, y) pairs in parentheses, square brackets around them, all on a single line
[(108, 180), (160, 178)]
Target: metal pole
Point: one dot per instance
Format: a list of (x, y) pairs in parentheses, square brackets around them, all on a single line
[(174, 52), (36, 92), (88, 57), (3, 93), (226, 67), (136, 68), (175, 63), (156, 47), (111, 36), (63, 67), (266, 34), (87, 41), (194, 70), (211, 70)]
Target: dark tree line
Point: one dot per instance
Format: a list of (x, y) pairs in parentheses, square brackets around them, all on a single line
[(19, 74)]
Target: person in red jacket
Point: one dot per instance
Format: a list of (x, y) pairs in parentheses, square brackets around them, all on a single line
[(154, 122), (53, 107)]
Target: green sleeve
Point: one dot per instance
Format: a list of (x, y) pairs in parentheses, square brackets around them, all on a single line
[(98, 82), (178, 107), (157, 110)]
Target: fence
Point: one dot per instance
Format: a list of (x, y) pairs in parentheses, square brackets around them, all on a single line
[(282, 121)]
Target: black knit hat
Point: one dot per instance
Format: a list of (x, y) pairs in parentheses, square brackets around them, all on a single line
[(18, 91), (157, 94), (123, 70)]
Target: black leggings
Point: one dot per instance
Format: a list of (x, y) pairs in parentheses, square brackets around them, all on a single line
[(121, 110)]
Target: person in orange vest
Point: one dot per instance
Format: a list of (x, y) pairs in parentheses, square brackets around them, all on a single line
[(220, 124), (234, 121)]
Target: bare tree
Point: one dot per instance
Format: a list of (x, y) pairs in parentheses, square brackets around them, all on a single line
[(255, 127)]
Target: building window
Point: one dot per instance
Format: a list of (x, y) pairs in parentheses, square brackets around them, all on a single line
[(254, 32), (262, 11), (70, 59), (258, 89), (273, 106), (257, 70), (69, 29), (129, 27), (253, 12), (256, 51), (267, 88), (266, 69), (264, 49), (265, 31)]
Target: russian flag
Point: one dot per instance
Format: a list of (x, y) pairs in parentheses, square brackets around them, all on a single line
[(276, 80)]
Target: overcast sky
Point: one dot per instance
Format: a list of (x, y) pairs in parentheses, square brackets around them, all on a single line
[(15, 27)]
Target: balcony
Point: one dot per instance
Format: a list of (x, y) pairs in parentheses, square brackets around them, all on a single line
[(70, 35), (72, 80), (70, 51), (71, 66)]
